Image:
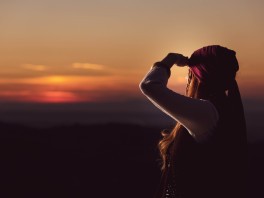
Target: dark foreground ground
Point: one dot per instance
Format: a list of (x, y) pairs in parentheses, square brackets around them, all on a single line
[(96, 161)]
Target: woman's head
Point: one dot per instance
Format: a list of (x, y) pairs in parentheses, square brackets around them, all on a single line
[(196, 89), (212, 71), (214, 66)]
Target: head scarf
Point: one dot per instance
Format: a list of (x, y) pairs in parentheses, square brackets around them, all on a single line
[(215, 66)]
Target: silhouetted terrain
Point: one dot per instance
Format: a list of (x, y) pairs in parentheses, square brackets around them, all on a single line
[(110, 160), (78, 161)]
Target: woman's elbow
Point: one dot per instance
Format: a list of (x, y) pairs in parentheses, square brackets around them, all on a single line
[(145, 87)]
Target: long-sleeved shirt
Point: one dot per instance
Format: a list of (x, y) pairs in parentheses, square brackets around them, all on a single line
[(198, 116)]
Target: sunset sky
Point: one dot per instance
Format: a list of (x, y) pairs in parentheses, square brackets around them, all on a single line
[(80, 51)]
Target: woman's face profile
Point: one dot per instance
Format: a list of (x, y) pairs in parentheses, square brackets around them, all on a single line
[(188, 80)]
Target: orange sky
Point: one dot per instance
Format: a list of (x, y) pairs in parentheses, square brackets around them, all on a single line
[(77, 51)]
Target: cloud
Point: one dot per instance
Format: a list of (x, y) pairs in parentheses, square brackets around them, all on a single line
[(33, 67), (89, 66), (38, 70)]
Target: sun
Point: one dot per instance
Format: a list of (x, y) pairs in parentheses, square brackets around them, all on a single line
[(56, 80)]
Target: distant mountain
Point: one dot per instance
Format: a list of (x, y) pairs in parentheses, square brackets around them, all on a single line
[(134, 111)]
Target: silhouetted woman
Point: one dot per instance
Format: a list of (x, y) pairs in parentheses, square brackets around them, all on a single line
[(204, 155)]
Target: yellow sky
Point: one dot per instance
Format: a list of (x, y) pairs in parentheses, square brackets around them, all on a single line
[(74, 50)]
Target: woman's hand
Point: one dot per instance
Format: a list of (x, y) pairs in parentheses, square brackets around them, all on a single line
[(174, 58)]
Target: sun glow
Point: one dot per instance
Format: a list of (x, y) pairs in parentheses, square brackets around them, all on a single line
[(56, 80), (64, 89), (55, 97)]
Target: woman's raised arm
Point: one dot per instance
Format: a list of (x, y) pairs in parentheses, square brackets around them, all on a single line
[(198, 116)]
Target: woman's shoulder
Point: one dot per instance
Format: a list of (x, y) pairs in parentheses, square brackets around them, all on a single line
[(210, 121), (212, 109)]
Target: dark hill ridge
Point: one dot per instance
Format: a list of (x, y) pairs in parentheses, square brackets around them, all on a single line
[(110, 160), (99, 160)]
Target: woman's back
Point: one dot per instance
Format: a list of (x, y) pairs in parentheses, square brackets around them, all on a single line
[(213, 169)]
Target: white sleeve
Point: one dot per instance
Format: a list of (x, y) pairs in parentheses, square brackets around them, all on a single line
[(198, 116)]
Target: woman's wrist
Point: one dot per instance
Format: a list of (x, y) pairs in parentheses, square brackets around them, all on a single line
[(170, 59), (164, 65)]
